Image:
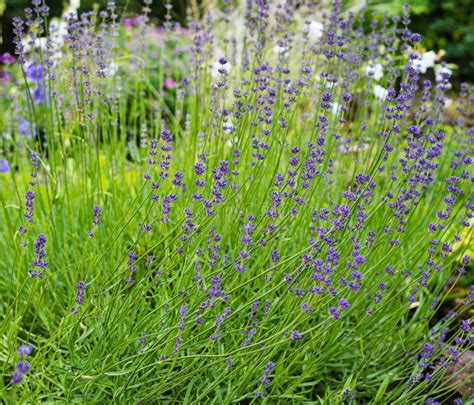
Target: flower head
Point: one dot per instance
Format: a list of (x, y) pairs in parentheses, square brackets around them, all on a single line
[(220, 68), (375, 71), (380, 92), (4, 167), (17, 378), (169, 83), (25, 350), (34, 72), (426, 61), (315, 30), (295, 335)]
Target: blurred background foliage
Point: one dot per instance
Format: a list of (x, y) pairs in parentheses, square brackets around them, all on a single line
[(445, 24)]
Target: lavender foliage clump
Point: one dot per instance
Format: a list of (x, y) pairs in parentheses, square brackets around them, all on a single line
[(277, 199)]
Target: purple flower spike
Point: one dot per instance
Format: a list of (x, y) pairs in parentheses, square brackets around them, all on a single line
[(466, 325), (39, 261), (34, 72), (23, 367), (4, 167), (343, 304), (17, 378), (333, 312), (25, 350), (296, 335)]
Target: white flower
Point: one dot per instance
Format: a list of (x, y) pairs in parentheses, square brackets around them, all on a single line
[(448, 102), (29, 45), (315, 30), (429, 58), (58, 27), (228, 127), (111, 69), (426, 61), (218, 69), (71, 8), (280, 50), (440, 70), (380, 92), (232, 142), (58, 31), (375, 71)]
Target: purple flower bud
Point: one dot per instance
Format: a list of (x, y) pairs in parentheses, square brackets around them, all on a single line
[(23, 367), (295, 335), (343, 304), (4, 167), (466, 325), (17, 378), (25, 350)]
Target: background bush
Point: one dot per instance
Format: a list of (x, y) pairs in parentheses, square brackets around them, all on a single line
[(446, 24)]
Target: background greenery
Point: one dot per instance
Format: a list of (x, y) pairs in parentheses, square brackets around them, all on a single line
[(445, 24)]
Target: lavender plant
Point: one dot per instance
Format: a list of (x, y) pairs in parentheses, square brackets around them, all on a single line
[(272, 205)]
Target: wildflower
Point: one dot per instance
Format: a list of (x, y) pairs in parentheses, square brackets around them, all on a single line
[(315, 30), (265, 379), (111, 69), (275, 256), (305, 307), (343, 304), (142, 342), (25, 350), (23, 367), (380, 92), (39, 260), (426, 61), (97, 213), (7, 59), (80, 294), (414, 130), (333, 312), (4, 167), (229, 128), (26, 129), (177, 343), (169, 83), (17, 378), (442, 73), (34, 71), (295, 335), (466, 325), (39, 96), (281, 50), (375, 71), (353, 395), (221, 67), (182, 316), (427, 351)]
